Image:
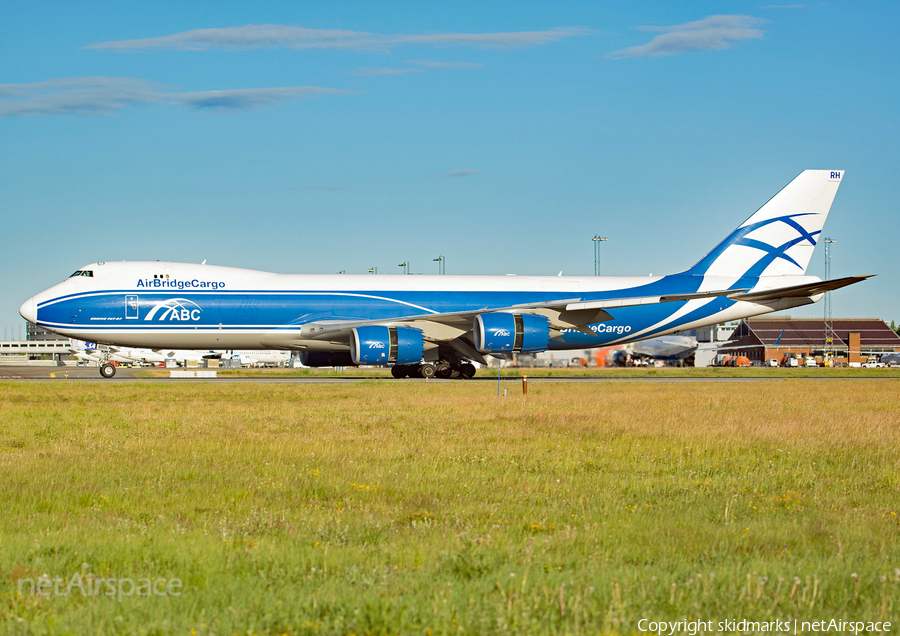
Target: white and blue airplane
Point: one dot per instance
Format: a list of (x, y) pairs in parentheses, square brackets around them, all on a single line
[(438, 325)]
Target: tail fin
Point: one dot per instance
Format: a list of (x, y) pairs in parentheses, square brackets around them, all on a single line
[(80, 345), (780, 238)]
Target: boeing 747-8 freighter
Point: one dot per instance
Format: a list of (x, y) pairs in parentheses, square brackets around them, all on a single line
[(427, 325)]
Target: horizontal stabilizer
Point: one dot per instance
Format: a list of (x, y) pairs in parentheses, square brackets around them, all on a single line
[(671, 298), (799, 291), (636, 301)]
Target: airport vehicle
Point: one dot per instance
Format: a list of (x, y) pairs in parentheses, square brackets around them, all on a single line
[(437, 325), (729, 360)]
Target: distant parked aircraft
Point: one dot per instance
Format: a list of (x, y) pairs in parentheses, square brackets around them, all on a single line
[(259, 357), (85, 351), (667, 348), (88, 351)]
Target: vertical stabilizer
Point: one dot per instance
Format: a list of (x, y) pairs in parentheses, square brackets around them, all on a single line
[(780, 238)]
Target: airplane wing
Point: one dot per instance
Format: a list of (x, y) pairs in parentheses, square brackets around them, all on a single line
[(572, 313), (455, 328)]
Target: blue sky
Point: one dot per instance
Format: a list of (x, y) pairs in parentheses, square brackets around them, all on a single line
[(316, 137)]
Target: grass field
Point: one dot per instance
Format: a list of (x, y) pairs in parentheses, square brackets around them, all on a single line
[(438, 508)]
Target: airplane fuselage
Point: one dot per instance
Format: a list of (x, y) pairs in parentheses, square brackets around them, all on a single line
[(188, 306)]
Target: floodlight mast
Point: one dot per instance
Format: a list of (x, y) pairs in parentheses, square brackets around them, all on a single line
[(597, 240), (828, 352)]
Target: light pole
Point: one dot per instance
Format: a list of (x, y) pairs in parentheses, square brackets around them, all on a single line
[(372, 270), (405, 266), (829, 321), (597, 240), (441, 261)]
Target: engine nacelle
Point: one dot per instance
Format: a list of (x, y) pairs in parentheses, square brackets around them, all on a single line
[(376, 344), (511, 333)]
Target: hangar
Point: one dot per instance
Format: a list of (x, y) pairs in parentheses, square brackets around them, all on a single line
[(855, 339)]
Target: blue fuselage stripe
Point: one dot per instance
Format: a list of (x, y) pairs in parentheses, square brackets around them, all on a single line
[(145, 311)]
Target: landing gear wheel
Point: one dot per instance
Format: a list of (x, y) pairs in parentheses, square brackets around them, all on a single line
[(108, 370), (467, 370), (442, 370), (399, 371), (426, 371)]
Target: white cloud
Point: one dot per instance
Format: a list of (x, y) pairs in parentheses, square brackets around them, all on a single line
[(712, 33), (76, 96), (269, 36), (106, 95), (250, 98)]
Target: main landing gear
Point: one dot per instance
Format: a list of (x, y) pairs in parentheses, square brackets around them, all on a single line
[(441, 369), (108, 370)]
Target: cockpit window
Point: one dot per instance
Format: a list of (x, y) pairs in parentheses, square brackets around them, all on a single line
[(83, 272)]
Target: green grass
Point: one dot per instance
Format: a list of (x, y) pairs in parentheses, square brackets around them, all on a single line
[(439, 508)]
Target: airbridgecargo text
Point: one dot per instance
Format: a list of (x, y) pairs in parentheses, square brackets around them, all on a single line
[(692, 628), (605, 328), (174, 283)]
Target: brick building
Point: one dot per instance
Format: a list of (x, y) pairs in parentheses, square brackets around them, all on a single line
[(767, 337)]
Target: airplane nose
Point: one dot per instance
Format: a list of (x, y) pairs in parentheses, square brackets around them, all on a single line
[(28, 311)]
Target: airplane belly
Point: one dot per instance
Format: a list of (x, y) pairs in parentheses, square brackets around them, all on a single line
[(150, 339)]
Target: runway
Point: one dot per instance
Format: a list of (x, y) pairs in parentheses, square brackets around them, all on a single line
[(124, 374)]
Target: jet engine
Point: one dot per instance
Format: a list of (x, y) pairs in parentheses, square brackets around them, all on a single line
[(511, 333), (376, 344)]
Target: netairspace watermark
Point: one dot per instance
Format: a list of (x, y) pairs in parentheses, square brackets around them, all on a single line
[(118, 587), (790, 626)]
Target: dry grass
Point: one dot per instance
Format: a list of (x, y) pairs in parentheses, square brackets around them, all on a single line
[(390, 508)]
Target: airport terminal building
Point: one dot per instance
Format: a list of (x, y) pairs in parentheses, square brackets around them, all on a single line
[(772, 337)]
